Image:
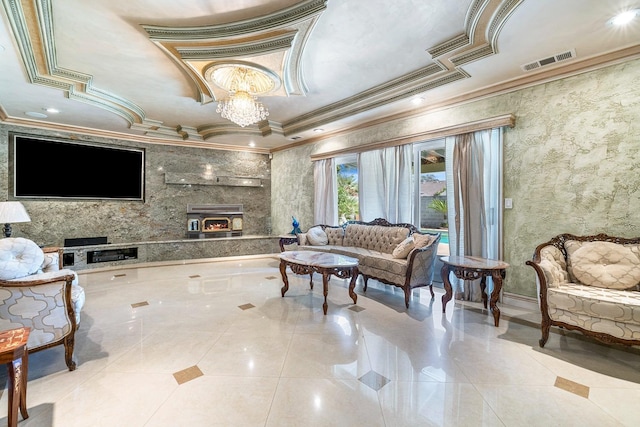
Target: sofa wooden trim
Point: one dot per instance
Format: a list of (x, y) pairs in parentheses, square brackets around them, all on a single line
[(406, 285), (546, 323)]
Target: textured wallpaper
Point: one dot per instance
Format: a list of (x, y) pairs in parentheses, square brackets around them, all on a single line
[(570, 162)]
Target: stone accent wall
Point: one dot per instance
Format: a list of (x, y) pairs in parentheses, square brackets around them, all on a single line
[(162, 216)]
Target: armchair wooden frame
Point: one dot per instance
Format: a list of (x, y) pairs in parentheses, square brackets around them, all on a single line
[(64, 280)]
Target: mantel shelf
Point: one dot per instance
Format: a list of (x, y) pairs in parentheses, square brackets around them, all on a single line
[(198, 179)]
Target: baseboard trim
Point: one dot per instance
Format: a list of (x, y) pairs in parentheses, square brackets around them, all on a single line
[(520, 301)]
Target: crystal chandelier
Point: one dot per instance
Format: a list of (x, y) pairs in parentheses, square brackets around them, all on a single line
[(242, 82), (242, 108)]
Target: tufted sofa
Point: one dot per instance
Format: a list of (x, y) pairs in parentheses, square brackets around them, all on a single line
[(394, 254), (36, 292), (590, 284)]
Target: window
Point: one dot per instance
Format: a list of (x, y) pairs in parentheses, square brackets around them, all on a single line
[(431, 209), (347, 173)]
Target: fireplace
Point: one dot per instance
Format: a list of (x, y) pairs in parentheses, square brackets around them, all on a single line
[(205, 221)]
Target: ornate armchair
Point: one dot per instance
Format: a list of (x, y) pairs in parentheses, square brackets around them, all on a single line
[(35, 291)]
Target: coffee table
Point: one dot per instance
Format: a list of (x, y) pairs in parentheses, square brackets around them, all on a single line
[(472, 268), (327, 264)]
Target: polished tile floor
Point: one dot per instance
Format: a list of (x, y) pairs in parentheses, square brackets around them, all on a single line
[(214, 344)]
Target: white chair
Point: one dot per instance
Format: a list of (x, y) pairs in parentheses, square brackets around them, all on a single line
[(35, 291)]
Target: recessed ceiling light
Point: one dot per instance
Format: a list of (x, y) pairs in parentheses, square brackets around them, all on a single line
[(417, 101), (252, 144), (36, 115), (624, 17), (318, 130), (51, 110)]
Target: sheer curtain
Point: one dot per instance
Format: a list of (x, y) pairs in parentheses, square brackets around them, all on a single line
[(326, 192), (384, 184), (474, 181)]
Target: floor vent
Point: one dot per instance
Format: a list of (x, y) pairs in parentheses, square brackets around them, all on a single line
[(570, 54)]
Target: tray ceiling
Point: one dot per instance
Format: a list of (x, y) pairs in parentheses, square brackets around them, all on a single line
[(137, 69)]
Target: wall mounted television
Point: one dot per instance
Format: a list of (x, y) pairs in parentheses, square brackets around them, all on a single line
[(64, 169)]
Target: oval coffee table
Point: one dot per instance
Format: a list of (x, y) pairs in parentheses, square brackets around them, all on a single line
[(325, 263)]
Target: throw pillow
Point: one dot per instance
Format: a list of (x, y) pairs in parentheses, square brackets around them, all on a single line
[(403, 248), (19, 257), (317, 237), (606, 265), (423, 240)]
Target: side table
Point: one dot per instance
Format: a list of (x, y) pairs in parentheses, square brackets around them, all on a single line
[(13, 353), (472, 268), (287, 239)]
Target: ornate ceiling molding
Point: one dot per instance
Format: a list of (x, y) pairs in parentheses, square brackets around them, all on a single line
[(32, 26), (482, 26), (274, 41), (278, 38)]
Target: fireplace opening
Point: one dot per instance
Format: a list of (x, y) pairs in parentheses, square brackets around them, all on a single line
[(204, 221), (215, 225)]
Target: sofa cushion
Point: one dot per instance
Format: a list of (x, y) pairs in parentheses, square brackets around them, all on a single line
[(317, 237), (423, 240), (606, 265), (403, 248), (334, 235), (615, 305), (19, 257), (375, 237)]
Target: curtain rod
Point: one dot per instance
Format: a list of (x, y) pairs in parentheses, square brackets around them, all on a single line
[(508, 120)]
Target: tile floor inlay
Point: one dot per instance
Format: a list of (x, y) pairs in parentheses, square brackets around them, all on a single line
[(357, 308), (246, 306), (187, 374), (119, 275), (195, 276), (374, 380), (572, 387), (139, 304), (271, 277)]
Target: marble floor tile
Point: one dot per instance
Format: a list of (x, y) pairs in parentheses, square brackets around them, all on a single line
[(214, 343)]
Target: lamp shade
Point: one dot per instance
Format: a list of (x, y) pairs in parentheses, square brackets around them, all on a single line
[(11, 212)]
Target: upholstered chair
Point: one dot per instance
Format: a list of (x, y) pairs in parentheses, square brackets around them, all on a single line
[(36, 291)]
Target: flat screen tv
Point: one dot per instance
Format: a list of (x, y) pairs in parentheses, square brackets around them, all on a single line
[(49, 168)]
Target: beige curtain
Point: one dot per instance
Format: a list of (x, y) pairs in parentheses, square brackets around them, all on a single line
[(385, 184), (469, 202), (326, 192)]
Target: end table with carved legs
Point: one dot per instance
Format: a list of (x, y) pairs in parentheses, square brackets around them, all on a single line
[(473, 268)]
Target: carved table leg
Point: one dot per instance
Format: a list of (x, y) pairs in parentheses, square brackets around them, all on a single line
[(285, 280), (496, 275), (448, 292), (325, 289), (23, 388), (352, 284), (483, 288)]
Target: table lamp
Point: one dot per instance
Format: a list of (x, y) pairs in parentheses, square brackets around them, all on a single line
[(12, 212)]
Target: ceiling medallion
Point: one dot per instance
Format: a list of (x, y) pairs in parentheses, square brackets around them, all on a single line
[(243, 82)]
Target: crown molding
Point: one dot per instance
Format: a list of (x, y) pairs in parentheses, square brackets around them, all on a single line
[(304, 10), (506, 120)]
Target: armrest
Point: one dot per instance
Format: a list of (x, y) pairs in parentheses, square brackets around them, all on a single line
[(422, 263), (41, 302), (551, 270), (52, 259)]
